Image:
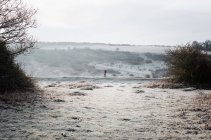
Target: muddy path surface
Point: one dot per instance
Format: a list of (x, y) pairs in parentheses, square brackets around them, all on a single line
[(84, 110)]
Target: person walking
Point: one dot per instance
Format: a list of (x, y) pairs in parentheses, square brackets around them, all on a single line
[(105, 71)]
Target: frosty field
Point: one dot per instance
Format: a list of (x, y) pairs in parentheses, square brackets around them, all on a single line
[(105, 110)]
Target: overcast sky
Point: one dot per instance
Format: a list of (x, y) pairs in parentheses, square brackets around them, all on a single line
[(167, 22)]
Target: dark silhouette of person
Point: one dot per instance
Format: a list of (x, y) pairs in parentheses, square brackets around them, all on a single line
[(105, 71)]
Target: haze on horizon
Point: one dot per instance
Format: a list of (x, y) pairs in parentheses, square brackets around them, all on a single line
[(146, 22)]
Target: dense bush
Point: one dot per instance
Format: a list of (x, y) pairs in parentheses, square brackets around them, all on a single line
[(188, 64), (12, 77)]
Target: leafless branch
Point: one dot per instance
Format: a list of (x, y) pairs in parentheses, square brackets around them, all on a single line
[(15, 20)]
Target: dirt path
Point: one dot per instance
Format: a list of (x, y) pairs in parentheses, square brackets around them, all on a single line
[(102, 111)]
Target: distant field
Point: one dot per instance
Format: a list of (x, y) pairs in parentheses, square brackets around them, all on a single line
[(79, 61)]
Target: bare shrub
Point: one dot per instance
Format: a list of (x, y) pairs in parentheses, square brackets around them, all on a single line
[(15, 20), (12, 77), (189, 65)]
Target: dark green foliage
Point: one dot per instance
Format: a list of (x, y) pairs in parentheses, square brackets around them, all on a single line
[(188, 64), (12, 77)]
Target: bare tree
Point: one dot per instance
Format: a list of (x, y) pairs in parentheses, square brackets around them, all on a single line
[(15, 20)]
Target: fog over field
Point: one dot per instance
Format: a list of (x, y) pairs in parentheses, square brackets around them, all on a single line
[(105, 70), (91, 59)]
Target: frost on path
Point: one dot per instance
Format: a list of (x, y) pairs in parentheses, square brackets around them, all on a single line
[(108, 111)]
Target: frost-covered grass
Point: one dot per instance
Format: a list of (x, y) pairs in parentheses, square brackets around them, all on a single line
[(111, 111)]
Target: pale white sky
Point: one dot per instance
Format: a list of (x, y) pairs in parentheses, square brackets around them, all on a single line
[(167, 22)]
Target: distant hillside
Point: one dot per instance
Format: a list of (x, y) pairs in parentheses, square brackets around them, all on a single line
[(103, 46), (92, 62)]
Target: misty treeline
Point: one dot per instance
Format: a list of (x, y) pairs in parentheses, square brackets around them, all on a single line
[(206, 45), (80, 56), (90, 61), (15, 20)]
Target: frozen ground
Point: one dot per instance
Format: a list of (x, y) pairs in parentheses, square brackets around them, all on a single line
[(95, 110)]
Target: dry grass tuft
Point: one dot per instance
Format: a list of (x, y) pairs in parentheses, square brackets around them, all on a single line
[(202, 106), (21, 97), (166, 83), (203, 100)]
